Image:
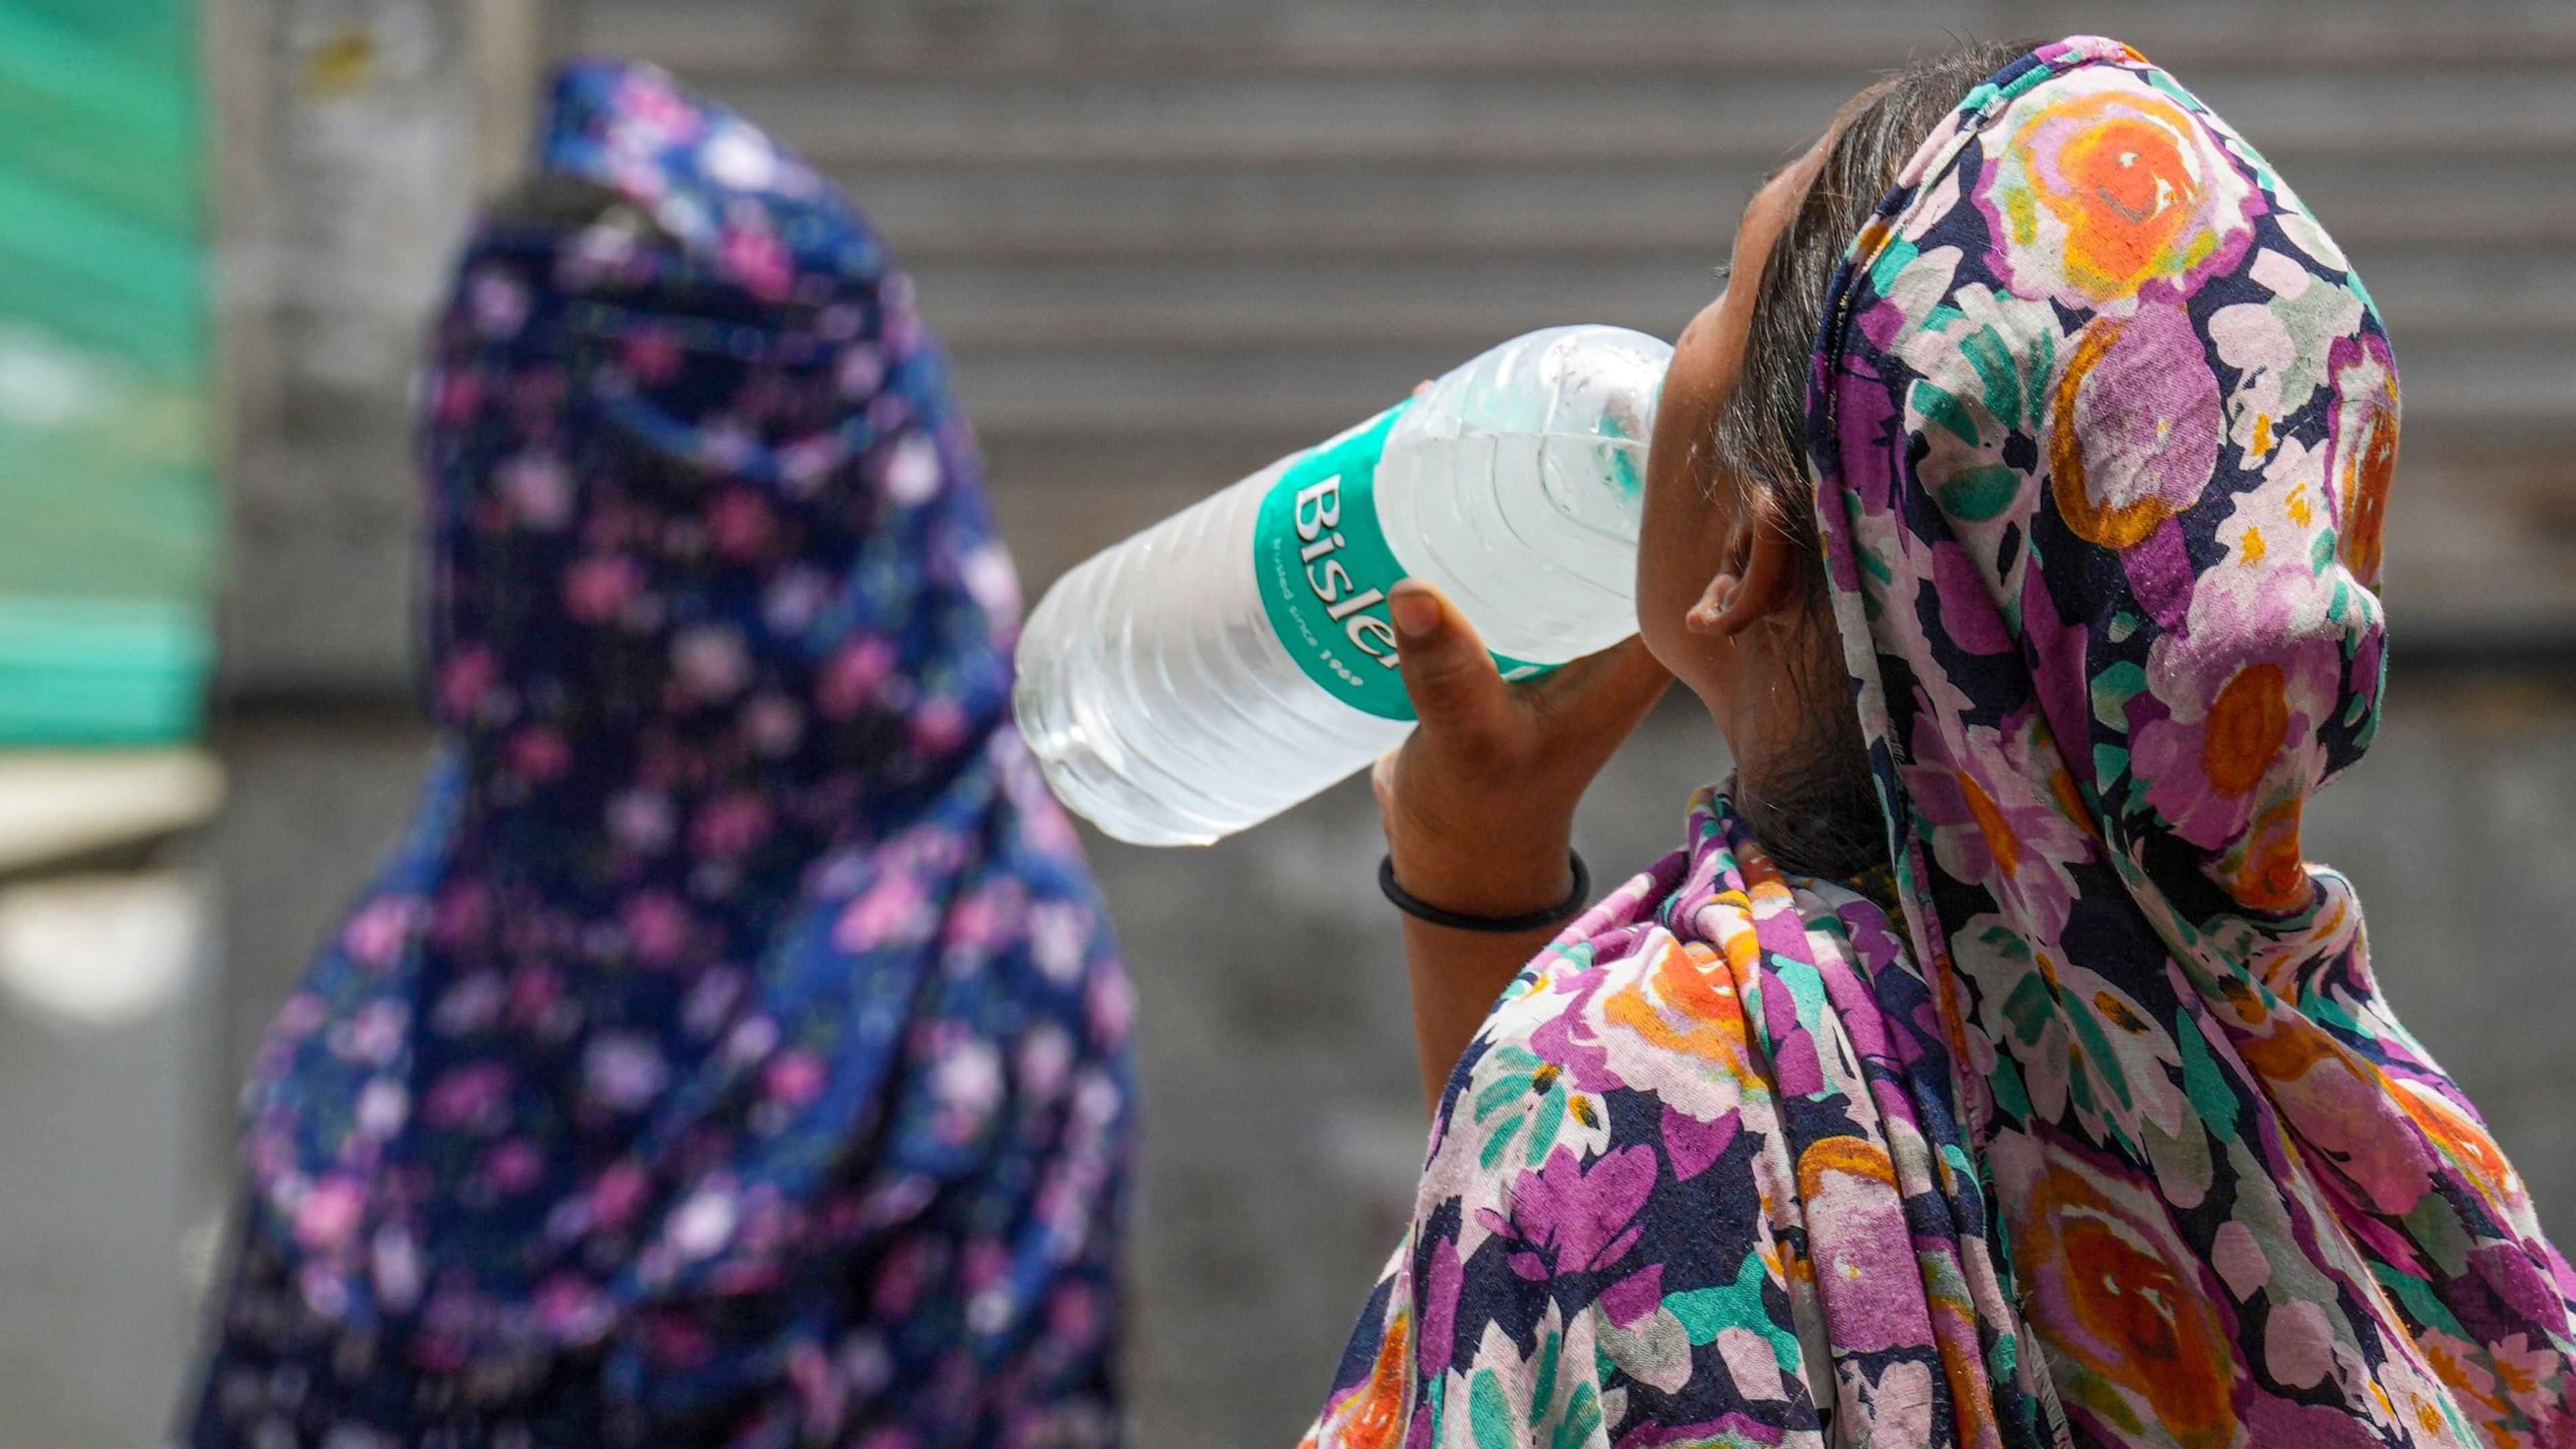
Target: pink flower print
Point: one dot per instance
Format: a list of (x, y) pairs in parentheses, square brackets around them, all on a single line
[(794, 1077), (329, 1214), (461, 913), (498, 302), (806, 463), (1059, 940), (538, 754), (711, 662), (853, 676), (751, 1039), (938, 726), (966, 1083), (465, 681), (991, 581), (1573, 1220), (535, 991), (701, 1226), (759, 261), (396, 1260), (658, 117), (1109, 1008), (617, 1193), (598, 588), (514, 1166), (303, 1014), (470, 1098), (375, 1035), (1073, 1315), (862, 369), (574, 1311), (1046, 1057), (725, 445), (453, 397), (538, 490), (375, 937), (741, 527), (711, 1001), (383, 1106), (731, 826), (2534, 1375), (624, 1071), (2005, 817), (795, 599), (912, 471), (2247, 684), (657, 926), (773, 725), (1634, 1297), (981, 917), (737, 156), (888, 914), (652, 355), (642, 821)]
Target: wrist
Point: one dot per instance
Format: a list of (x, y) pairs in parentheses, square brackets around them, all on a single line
[(1548, 918), (1501, 872)]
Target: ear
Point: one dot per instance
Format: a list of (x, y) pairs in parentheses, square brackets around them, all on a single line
[(1756, 578)]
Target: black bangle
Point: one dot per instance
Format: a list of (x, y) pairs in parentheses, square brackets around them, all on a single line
[(1422, 910)]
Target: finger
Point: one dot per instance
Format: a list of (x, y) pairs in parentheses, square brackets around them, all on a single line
[(1456, 691), (1422, 387)]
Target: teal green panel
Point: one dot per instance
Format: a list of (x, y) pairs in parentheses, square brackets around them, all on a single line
[(101, 672), (110, 525), (160, 33), (85, 119), (97, 279)]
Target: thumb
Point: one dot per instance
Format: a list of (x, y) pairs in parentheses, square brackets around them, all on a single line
[(1455, 688)]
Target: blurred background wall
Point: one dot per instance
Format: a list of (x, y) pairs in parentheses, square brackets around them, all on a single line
[(1166, 241)]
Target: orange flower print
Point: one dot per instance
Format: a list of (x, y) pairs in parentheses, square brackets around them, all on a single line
[(2268, 869), (2362, 439), (2247, 723), (2464, 1140), (1372, 1415), (2129, 1330), (2112, 187)]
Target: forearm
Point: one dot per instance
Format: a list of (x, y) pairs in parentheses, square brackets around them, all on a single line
[(1455, 975)]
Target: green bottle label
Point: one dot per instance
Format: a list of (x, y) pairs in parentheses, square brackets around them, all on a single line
[(1324, 570)]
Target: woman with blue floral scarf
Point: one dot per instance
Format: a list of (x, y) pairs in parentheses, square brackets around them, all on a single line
[(735, 1053)]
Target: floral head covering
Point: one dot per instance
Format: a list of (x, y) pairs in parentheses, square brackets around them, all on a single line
[(2103, 422), (2105, 1134), (740, 1009)]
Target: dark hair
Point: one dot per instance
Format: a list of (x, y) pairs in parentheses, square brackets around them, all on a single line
[(1817, 811)]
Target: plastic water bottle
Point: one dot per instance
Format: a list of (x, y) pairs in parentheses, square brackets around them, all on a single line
[(1237, 657)]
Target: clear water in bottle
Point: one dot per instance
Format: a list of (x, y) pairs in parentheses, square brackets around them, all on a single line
[(1237, 657)]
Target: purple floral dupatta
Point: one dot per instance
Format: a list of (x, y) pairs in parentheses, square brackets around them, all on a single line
[(2107, 1135)]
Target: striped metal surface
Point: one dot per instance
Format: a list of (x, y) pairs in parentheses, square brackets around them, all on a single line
[(1170, 238)]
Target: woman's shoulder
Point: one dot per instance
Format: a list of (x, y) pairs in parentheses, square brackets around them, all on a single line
[(1631, 1039), (1599, 1179)]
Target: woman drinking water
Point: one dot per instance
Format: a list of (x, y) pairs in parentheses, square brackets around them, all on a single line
[(1989, 1068)]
